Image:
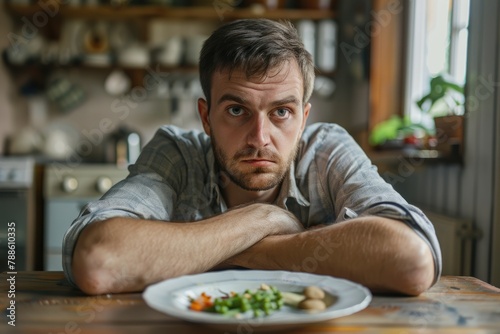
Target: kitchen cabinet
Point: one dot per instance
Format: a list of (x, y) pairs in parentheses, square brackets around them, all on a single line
[(50, 19)]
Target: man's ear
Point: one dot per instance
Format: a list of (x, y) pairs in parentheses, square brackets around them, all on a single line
[(307, 109), (203, 111)]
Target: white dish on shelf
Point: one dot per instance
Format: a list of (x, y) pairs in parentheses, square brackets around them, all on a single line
[(172, 297)]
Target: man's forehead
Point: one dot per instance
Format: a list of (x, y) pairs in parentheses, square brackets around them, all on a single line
[(278, 71)]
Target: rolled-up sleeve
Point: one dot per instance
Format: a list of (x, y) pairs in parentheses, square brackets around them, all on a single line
[(417, 220), (356, 189), (135, 197), (145, 194)]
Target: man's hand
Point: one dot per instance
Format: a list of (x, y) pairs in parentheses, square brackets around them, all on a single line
[(284, 222), (124, 254)]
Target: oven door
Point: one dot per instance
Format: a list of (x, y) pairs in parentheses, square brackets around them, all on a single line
[(59, 214), (14, 206)]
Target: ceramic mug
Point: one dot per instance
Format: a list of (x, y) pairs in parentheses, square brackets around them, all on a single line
[(194, 44), (171, 53)]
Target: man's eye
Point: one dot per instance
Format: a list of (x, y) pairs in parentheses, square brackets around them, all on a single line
[(235, 111), (282, 112)]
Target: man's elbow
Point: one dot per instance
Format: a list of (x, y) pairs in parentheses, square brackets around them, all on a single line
[(90, 264), (417, 274), (91, 276)]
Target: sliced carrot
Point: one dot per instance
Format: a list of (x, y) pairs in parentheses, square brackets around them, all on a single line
[(196, 306), (204, 301)]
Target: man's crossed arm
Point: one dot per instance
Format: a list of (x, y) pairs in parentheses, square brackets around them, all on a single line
[(125, 254)]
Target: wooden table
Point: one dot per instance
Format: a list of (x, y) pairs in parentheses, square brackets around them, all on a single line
[(45, 303)]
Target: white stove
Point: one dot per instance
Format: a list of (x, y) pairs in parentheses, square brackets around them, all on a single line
[(18, 220)]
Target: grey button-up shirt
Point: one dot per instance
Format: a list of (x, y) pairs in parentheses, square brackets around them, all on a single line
[(175, 179)]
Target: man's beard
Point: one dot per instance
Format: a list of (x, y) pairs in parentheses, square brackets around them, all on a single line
[(244, 179)]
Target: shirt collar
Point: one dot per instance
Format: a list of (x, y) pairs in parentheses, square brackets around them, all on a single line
[(289, 189)]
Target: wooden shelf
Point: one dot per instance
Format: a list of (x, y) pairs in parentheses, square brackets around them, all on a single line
[(181, 13), (143, 14), (180, 68)]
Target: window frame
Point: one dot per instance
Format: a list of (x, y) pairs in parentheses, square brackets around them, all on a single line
[(417, 77)]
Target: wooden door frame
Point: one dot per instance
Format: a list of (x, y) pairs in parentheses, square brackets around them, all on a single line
[(386, 60)]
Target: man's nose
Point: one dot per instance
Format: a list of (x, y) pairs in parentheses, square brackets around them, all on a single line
[(259, 132)]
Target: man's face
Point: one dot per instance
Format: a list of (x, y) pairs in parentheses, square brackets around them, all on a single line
[(255, 125)]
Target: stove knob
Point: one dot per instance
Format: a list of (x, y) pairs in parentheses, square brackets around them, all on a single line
[(103, 184), (69, 184)]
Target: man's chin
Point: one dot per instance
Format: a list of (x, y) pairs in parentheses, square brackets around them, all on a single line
[(259, 182)]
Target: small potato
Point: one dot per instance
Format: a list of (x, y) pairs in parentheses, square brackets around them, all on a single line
[(312, 305), (313, 292)]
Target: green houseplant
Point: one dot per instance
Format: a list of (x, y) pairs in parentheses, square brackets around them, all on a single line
[(445, 103), (445, 97), (398, 132)]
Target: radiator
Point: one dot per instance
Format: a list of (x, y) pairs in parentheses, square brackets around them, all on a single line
[(455, 237)]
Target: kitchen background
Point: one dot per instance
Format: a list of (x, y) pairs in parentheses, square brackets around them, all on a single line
[(106, 90), (85, 85)]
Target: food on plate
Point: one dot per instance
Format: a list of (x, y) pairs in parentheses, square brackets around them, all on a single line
[(311, 299), (312, 305), (313, 292), (261, 302), (201, 303)]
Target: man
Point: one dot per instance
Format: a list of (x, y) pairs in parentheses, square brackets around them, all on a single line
[(257, 190)]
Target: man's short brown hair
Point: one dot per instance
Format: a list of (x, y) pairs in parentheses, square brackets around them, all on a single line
[(255, 46)]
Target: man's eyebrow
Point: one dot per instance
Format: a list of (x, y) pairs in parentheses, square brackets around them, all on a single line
[(231, 97), (287, 100)]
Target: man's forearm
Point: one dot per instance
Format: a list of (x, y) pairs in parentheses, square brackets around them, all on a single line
[(124, 254), (383, 254)]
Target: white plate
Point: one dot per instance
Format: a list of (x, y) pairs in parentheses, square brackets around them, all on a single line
[(172, 297)]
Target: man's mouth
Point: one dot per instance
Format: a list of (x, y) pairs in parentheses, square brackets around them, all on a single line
[(256, 162)]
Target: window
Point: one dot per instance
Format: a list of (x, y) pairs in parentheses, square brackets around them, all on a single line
[(437, 35)]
